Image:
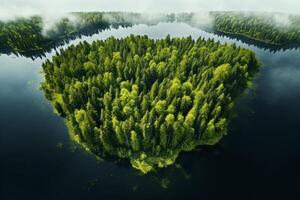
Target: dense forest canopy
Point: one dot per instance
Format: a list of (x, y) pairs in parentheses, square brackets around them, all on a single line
[(147, 100), (271, 28)]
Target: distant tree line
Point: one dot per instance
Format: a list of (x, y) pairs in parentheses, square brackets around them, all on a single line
[(147, 100), (26, 36), (274, 28)]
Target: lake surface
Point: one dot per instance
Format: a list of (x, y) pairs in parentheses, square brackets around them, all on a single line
[(259, 159)]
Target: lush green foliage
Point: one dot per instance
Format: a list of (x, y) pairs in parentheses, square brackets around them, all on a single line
[(27, 36), (147, 100), (275, 28), (20, 34)]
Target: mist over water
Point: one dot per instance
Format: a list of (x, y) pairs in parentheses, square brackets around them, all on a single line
[(152, 10)]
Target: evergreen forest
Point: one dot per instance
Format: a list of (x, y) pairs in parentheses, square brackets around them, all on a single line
[(277, 29), (147, 100)]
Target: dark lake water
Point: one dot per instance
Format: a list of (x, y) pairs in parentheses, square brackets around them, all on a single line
[(259, 159)]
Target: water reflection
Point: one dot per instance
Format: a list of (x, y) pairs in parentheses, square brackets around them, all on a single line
[(258, 159), (270, 47)]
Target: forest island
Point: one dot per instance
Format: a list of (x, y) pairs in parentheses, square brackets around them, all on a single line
[(147, 100), (141, 99)]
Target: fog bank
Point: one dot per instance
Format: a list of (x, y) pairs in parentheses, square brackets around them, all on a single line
[(11, 8)]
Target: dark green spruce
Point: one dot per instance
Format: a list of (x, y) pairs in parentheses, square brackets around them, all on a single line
[(147, 100)]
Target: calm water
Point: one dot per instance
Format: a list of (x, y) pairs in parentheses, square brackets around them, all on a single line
[(259, 159)]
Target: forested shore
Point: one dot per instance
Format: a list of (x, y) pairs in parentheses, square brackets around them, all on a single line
[(28, 37), (275, 30)]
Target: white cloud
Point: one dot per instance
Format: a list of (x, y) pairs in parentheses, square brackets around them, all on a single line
[(11, 8)]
